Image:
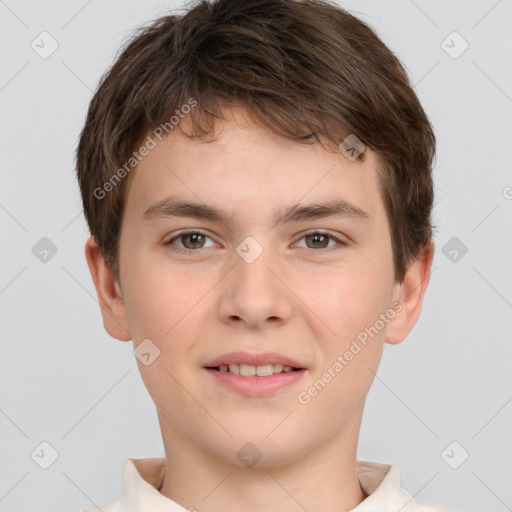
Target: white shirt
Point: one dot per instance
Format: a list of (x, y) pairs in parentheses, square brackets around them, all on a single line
[(143, 477)]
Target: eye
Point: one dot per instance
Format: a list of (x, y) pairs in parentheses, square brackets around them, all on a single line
[(191, 241), (320, 240)]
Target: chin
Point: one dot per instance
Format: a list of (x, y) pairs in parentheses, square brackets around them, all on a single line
[(259, 451)]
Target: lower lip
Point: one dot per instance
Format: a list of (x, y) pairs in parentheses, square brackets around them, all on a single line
[(256, 386)]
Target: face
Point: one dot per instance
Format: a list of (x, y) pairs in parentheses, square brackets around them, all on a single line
[(271, 271)]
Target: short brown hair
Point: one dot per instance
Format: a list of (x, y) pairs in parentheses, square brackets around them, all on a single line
[(305, 69)]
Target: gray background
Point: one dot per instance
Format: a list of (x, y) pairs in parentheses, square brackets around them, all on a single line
[(63, 380)]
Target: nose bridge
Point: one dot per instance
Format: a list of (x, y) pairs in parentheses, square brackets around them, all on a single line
[(252, 267), (253, 293)]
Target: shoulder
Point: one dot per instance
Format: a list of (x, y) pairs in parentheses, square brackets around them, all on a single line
[(382, 485)]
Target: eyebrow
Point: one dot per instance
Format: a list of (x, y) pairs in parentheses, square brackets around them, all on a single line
[(172, 207)]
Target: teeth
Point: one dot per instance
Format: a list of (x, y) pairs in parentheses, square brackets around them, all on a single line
[(248, 370)]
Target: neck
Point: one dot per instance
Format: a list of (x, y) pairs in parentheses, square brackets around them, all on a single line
[(322, 479)]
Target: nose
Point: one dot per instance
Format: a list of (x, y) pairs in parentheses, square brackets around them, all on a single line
[(254, 294)]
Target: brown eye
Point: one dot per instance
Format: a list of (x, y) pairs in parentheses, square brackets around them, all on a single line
[(190, 241), (196, 240), (318, 240), (321, 240)]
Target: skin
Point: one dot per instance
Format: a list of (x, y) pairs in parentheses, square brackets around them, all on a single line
[(295, 299)]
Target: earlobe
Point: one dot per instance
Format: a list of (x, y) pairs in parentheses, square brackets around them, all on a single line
[(409, 294), (109, 293)]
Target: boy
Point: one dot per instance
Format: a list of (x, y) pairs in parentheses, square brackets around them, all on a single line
[(256, 176)]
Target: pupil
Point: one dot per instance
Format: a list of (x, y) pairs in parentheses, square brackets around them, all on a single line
[(316, 238), (194, 237)]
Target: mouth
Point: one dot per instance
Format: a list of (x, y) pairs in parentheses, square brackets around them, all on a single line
[(248, 370), (255, 375), (255, 381)]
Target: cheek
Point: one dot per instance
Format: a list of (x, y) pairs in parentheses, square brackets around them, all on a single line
[(159, 300), (351, 299), (167, 310), (351, 309)]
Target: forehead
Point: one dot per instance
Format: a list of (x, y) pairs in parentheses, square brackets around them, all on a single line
[(242, 164)]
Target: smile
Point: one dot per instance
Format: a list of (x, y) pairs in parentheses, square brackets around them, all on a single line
[(249, 370), (253, 384)]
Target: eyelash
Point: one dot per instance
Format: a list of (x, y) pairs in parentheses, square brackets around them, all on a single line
[(199, 232)]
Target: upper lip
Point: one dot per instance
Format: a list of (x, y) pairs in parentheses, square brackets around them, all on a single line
[(254, 359)]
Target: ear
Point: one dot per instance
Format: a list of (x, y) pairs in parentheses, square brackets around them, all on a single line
[(109, 293), (408, 296)]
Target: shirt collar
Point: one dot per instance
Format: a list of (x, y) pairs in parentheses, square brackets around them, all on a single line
[(143, 477)]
